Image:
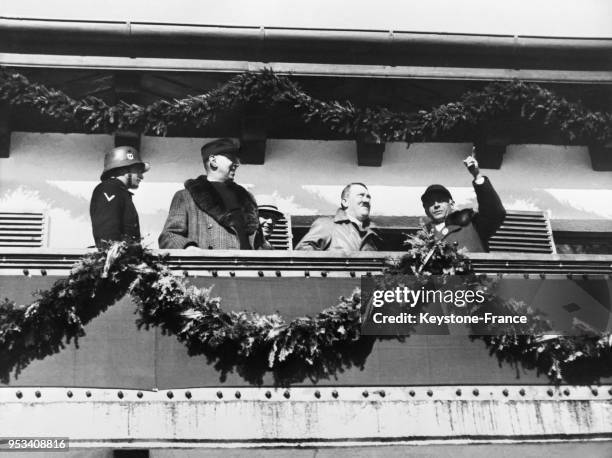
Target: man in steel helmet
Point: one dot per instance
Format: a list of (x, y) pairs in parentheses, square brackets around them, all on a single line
[(113, 215)]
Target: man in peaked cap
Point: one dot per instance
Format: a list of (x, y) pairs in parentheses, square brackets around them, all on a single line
[(469, 229), (113, 215), (213, 212)]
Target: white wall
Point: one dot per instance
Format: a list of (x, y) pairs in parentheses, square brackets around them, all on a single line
[(57, 173)]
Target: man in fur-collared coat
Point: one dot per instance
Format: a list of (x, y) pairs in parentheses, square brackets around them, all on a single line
[(213, 212)]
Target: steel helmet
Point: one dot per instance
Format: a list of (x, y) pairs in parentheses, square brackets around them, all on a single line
[(122, 156)]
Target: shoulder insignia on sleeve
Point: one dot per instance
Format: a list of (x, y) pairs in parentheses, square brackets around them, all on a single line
[(109, 198)]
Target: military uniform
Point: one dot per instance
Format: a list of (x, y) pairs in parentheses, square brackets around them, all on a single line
[(113, 215)]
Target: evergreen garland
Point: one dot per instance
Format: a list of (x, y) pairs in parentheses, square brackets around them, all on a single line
[(517, 100), (315, 347)]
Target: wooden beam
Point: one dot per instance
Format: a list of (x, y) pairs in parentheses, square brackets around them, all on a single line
[(490, 147), (253, 139), (127, 138), (370, 154), (5, 130), (601, 157), (305, 69)]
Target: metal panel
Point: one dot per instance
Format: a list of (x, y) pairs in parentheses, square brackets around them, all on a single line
[(115, 354)]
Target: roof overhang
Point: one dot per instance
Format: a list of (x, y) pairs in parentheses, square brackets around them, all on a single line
[(320, 52)]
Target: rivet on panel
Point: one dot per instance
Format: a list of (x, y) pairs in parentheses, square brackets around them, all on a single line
[(268, 394), (139, 394), (219, 395), (37, 393), (120, 394), (237, 394), (335, 394), (69, 394), (475, 392), (317, 394), (429, 393), (170, 394), (188, 394), (458, 392), (287, 394), (365, 393)]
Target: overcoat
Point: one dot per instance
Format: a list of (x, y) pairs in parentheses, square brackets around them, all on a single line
[(198, 217)]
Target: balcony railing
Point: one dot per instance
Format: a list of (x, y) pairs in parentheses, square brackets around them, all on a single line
[(304, 263)]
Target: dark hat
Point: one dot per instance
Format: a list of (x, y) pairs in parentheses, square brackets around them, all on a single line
[(435, 189), (224, 146)]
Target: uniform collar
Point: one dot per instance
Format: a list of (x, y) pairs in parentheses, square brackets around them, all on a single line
[(122, 185)]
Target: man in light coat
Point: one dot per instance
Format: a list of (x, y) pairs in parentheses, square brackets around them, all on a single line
[(213, 212), (349, 230)]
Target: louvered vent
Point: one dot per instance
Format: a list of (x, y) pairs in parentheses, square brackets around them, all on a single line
[(23, 230), (523, 232), (281, 235)]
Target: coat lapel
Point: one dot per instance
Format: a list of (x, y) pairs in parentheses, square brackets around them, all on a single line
[(210, 202)]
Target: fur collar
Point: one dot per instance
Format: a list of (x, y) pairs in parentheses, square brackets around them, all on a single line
[(209, 201)]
